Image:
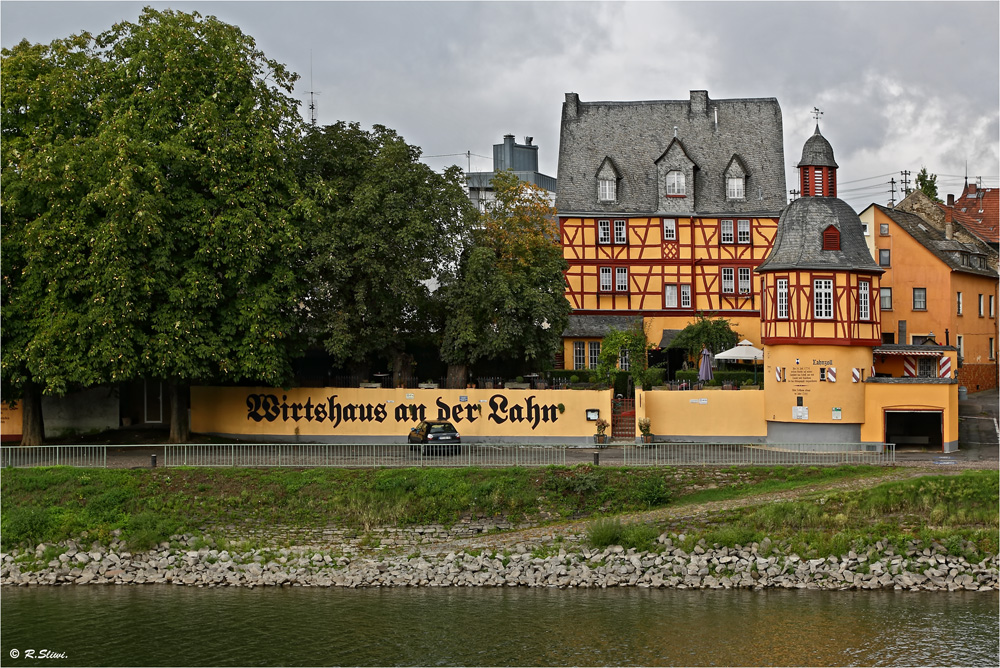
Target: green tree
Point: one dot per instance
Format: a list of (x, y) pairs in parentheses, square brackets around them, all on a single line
[(385, 225), (716, 333), (506, 298), (927, 183), (636, 345), (149, 250)]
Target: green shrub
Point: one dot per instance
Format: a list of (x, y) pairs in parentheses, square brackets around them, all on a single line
[(638, 536), (604, 532), (145, 530), (26, 525)]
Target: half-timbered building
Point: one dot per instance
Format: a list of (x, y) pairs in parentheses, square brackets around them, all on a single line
[(665, 210)]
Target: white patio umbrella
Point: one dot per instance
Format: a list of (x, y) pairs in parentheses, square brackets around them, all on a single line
[(744, 350)]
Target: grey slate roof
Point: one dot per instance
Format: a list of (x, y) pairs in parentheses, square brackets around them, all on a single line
[(597, 326), (798, 243), (817, 152), (635, 134), (948, 251)]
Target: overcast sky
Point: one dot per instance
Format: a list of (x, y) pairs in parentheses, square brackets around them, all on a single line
[(901, 84)]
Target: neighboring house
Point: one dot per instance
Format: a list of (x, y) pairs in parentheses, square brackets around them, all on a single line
[(966, 228), (665, 210), (978, 210), (937, 287), (522, 159)]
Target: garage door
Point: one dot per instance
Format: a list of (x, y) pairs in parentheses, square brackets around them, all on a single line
[(922, 430)]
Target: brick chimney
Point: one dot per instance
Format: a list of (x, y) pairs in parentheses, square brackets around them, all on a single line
[(949, 226), (951, 200)]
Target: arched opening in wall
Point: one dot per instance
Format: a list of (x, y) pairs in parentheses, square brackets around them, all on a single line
[(915, 430)]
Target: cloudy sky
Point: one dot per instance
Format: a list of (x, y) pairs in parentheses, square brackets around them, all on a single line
[(901, 84)]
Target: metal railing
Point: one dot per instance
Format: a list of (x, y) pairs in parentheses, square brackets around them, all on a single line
[(81, 456), (774, 454), (361, 455)]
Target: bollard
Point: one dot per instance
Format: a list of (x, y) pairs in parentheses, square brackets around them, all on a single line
[(597, 459), (152, 461)]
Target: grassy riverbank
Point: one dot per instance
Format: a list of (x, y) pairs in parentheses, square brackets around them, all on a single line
[(148, 506)]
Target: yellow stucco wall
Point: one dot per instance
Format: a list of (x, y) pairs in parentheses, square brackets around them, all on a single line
[(344, 412), (714, 413), (802, 364), (917, 397)]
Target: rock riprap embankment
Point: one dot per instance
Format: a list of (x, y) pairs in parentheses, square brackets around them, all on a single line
[(758, 566)]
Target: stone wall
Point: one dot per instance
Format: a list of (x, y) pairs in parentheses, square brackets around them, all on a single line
[(977, 377)]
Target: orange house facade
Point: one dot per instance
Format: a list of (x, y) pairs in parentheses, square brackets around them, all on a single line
[(937, 288), (666, 208)]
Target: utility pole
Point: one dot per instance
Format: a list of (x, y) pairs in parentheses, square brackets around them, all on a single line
[(906, 182), (892, 193)]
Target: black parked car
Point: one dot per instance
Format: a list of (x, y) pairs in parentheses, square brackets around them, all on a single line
[(435, 437)]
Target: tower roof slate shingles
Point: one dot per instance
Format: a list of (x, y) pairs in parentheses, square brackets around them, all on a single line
[(798, 243), (635, 134)]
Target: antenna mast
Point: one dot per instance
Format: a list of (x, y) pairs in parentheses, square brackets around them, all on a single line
[(312, 93)]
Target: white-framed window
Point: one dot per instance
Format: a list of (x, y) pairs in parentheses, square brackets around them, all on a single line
[(743, 231), (579, 355), (606, 284), (727, 280), (823, 299), (669, 296), (623, 359), (993, 311), (864, 228), (745, 285), (958, 300), (884, 257), (919, 299), (735, 187), (621, 279), (981, 303), (685, 296), (669, 229), (595, 353), (604, 231), (607, 190), (864, 300), (621, 232), (782, 298), (675, 182), (727, 231), (885, 299)]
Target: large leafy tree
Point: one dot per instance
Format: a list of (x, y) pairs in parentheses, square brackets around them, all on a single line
[(506, 298), (634, 341), (385, 225), (715, 333), (148, 208)]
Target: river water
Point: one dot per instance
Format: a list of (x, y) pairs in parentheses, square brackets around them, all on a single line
[(182, 626)]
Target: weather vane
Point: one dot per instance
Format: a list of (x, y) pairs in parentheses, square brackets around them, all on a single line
[(816, 113)]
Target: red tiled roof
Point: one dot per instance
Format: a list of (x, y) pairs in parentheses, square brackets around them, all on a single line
[(979, 211)]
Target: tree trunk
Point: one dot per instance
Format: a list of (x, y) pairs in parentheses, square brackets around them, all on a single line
[(457, 376), (180, 399), (402, 369), (32, 425)]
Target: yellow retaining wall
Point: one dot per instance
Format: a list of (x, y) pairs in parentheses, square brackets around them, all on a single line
[(704, 415), (338, 414)]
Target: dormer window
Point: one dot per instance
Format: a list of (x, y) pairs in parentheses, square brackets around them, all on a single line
[(607, 190), (607, 181), (831, 238), (735, 188), (675, 182)]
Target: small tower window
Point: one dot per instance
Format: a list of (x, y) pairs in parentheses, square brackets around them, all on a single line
[(606, 190), (831, 238), (735, 187)]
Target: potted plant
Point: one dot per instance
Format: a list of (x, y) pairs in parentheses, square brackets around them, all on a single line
[(644, 427), (518, 384), (600, 437)]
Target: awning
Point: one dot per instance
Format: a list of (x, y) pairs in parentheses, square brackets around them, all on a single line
[(668, 337), (744, 350), (908, 353)]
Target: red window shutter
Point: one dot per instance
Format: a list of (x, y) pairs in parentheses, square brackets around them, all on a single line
[(831, 238)]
